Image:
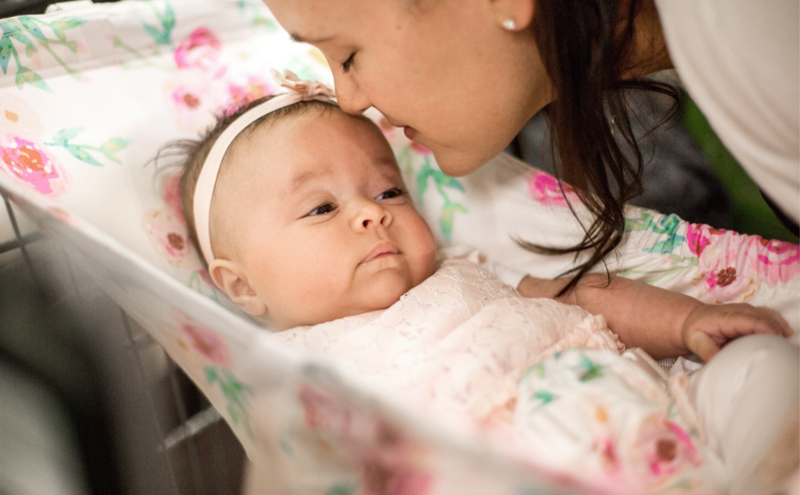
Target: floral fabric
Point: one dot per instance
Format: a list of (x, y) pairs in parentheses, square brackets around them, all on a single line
[(88, 96), (616, 419)]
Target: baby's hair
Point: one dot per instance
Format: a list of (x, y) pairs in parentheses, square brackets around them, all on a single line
[(193, 152)]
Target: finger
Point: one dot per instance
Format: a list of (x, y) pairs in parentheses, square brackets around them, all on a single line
[(778, 322), (704, 346), (786, 330), (744, 319)]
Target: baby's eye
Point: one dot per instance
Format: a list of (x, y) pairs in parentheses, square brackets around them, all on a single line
[(322, 209), (391, 193), (348, 63)]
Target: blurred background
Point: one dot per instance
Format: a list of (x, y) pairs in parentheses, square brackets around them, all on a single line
[(89, 404)]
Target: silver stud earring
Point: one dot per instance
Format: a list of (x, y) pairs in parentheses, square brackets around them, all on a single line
[(509, 24)]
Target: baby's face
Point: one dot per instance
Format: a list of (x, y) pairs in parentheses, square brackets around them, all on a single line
[(325, 227)]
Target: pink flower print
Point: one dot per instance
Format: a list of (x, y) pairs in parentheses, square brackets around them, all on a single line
[(386, 460), (698, 238), (169, 235), (547, 190), (204, 340), (18, 118), (251, 89), (779, 259), (28, 162), (172, 195), (382, 478), (200, 50), (733, 266), (194, 99), (324, 411), (672, 451), (665, 449), (203, 272)]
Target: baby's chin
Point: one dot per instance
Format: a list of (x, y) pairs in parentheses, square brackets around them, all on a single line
[(379, 295)]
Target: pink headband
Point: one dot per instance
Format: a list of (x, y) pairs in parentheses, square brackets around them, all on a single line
[(299, 90)]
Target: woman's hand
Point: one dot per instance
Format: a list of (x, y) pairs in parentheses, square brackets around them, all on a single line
[(710, 326), (662, 322)]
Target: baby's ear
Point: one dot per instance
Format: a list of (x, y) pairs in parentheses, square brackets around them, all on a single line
[(232, 279)]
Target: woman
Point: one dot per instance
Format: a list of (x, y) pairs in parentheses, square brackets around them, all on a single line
[(463, 76)]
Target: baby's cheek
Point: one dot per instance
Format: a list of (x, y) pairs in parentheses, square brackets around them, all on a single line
[(426, 265)]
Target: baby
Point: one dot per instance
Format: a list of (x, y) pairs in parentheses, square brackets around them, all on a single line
[(302, 216)]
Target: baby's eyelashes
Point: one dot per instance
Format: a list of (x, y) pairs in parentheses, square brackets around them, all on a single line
[(329, 207), (394, 192), (322, 209)]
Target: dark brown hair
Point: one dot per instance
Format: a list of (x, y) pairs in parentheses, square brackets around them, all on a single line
[(587, 46), (193, 152)]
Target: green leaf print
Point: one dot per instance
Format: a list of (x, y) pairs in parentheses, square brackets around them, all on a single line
[(162, 35), (63, 136), (543, 395), (235, 392), (422, 180), (26, 76), (109, 149), (168, 19), (537, 369), (404, 160), (112, 146), (446, 219), (340, 489), (30, 26), (441, 181), (446, 181), (59, 26), (10, 26), (6, 52), (30, 48), (668, 225), (588, 369), (679, 264), (81, 154), (28, 31), (258, 19), (159, 37)]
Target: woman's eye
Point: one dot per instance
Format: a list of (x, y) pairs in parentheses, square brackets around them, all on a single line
[(348, 63), (391, 193), (322, 209)]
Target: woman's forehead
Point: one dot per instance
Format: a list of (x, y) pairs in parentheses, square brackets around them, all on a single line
[(322, 21), (314, 21)]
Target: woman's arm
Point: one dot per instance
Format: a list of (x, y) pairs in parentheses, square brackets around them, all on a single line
[(662, 322)]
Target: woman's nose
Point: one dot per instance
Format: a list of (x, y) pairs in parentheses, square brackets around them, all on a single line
[(349, 94), (369, 215)]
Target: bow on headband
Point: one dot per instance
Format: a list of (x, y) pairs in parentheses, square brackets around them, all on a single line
[(306, 90)]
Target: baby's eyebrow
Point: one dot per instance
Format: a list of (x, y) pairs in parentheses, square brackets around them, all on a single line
[(302, 179)]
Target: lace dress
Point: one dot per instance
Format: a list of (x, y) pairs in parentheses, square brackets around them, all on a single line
[(462, 339), (545, 375)]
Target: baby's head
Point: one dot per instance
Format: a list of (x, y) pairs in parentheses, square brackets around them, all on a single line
[(309, 220)]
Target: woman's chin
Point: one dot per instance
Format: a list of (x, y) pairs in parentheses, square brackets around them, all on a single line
[(458, 163)]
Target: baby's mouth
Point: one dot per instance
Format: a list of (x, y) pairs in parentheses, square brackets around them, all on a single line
[(381, 250)]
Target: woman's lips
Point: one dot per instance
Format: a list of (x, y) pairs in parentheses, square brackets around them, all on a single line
[(410, 132), (381, 250)]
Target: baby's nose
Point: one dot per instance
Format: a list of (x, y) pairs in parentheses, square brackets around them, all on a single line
[(371, 215)]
